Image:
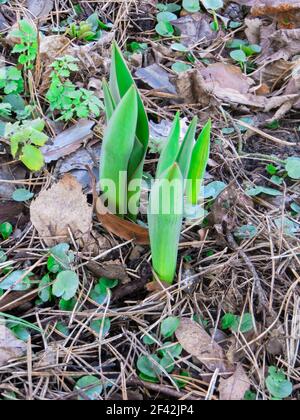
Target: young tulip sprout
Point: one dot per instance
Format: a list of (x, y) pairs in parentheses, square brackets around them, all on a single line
[(127, 136), (180, 168)]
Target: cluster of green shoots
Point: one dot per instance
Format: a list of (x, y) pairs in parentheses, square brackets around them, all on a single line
[(181, 166), (88, 30)]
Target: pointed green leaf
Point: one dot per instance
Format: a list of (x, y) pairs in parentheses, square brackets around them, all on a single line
[(198, 166), (170, 151), (117, 147), (120, 82), (185, 153), (109, 102), (165, 215)]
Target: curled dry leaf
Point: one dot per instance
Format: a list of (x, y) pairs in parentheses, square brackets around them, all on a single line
[(221, 81), (226, 83), (10, 347), (196, 341), (61, 209), (235, 387), (122, 228)]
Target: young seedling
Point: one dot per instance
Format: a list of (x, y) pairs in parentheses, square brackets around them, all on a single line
[(28, 46), (126, 138), (180, 169), (11, 80), (26, 138), (65, 97)]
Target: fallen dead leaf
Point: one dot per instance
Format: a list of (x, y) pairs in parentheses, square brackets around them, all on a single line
[(196, 341), (79, 165), (287, 13), (235, 387), (15, 300), (280, 44), (224, 209), (4, 25), (10, 211), (253, 28), (120, 227), (62, 208), (157, 78), (111, 269), (195, 29), (225, 83), (39, 8), (68, 141), (10, 347), (9, 172)]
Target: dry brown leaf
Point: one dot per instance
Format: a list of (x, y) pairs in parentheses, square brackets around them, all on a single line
[(157, 78), (52, 47), (62, 207), (10, 211), (226, 83), (253, 29), (195, 28), (15, 300), (39, 8), (10, 347), (221, 81), (120, 227), (227, 76), (113, 269), (287, 13), (235, 387), (68, 141), (196, 341), (280, 44), (225, 208), (191, 88)]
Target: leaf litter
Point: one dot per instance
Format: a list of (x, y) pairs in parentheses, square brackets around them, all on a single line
[(254, 106)]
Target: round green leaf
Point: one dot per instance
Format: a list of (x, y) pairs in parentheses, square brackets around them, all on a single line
[(32, 158), (169, 326), (191, 6), (22, 195), (90, 386), (67, 305), (239, 56), (244, 324), (99, 325), (6, 230), (66, 285), (277, 384), (213, 4), (148, 340), (164, 28), (147, 367), (293, 167), (166, 17), (180, 67), (13, 282), (45, 289), (179, 47)]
